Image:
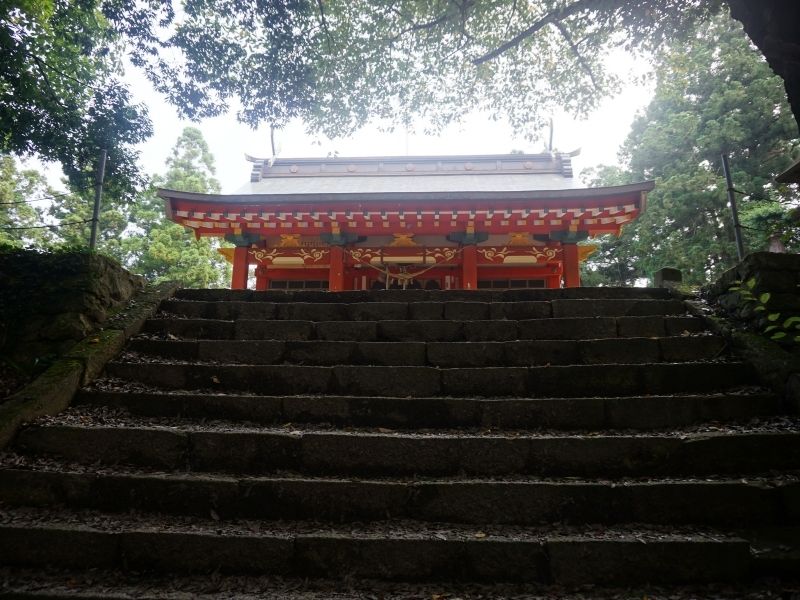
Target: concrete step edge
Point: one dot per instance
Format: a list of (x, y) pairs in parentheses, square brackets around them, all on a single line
[(443, 354), (424, 381), (587, 413), (432, 330), (637, 557), (524, 503), (259, 451)]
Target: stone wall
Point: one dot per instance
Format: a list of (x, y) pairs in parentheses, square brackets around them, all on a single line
[(778, 364), (49, 301), (778, 274)]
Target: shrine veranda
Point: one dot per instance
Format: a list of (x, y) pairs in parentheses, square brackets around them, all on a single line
[(433, 222)]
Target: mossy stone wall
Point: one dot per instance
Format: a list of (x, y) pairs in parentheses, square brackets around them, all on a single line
[(50, 301)]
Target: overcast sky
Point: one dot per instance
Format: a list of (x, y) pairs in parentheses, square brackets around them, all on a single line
[(598, 137)]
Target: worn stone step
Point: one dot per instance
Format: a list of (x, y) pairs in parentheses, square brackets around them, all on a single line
[(591, 414), (109, 584), (329, 452), (513, 502), (438, 354), (776, 548), (358, 380), (225, 295), (392, 551), (427, 331), (425, 310)]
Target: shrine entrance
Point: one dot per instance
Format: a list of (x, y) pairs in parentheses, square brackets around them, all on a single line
[(477, 222)]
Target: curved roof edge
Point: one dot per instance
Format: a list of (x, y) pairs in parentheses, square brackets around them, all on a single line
[(574, 194), (410, 158)]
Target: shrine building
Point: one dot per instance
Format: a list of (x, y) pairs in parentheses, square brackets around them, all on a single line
[(434, 222)]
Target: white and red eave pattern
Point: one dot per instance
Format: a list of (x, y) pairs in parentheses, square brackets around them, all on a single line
[(596, 216)]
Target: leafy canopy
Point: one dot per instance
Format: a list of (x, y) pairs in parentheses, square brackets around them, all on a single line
[(167, 251), (61, 95), (22, 193), (714, 95), (338, 63)]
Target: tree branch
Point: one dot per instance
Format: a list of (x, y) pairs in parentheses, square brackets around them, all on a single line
[(550, 18), (323, 23), (510, 17), (581, 61), (419, 26)]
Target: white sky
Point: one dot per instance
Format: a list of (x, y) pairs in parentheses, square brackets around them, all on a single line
[(598, 137)]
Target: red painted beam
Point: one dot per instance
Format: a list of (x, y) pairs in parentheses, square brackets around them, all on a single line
[(336, 273), (572, 269), (240, 268), (469, 268)]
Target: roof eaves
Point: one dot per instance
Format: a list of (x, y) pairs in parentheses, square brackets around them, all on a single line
[(574, 194)]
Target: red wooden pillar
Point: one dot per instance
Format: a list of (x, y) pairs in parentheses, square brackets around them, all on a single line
[(336, 272), (241, 262), (572, 267), (469, 266), (262, 280)]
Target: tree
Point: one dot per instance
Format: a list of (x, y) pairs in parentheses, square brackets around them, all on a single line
[(333, 63), (338, 63), (716, 95), (21, 200), (772, 26), (60, 94), (167, 251), (74, 210)]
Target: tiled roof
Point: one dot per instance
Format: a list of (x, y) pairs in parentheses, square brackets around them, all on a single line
[(411, 174)]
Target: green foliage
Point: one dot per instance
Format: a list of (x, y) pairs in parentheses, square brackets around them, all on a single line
[(167, 251), (21, 193), (77, 208), (714, 95), (338, 63), (60, 93), (784, 331), (137, 234)]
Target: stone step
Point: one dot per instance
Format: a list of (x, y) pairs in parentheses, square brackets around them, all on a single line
[(390, 551), (426, 310), (427, 331), (109, 584), (438, 354), (542, 381), (225, 448), (721, 503), (591, 414), (532, 295)]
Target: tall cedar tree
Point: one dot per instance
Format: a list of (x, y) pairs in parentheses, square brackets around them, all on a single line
[(162, 250), (714, 95)]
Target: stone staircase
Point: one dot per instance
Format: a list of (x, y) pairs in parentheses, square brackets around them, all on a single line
[(553, 437)]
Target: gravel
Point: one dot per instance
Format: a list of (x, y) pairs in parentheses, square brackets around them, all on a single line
[(395, 529), (12, 460), (89, 416), (115, 584)]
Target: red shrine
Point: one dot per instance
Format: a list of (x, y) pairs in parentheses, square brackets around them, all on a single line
[(434, 222)]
